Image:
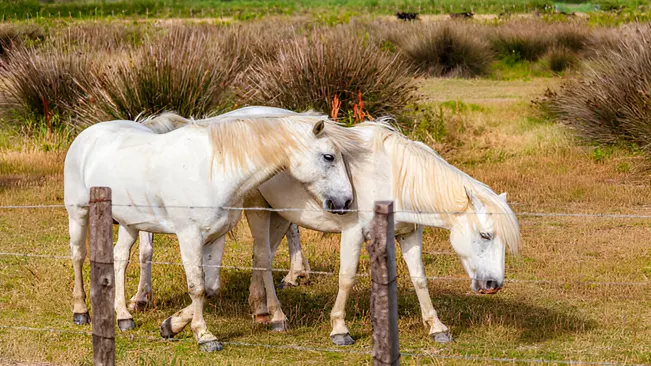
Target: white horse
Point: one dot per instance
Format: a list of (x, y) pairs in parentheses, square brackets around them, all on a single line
[(417, 179), (185, 181)]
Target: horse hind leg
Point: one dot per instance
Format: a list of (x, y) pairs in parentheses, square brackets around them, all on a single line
[(78, 226), (299, 267), (141, 299), (126, 239)]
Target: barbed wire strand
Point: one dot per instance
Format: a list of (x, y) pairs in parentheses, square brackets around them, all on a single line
[(521, 214), (328, 273), (335, 350)]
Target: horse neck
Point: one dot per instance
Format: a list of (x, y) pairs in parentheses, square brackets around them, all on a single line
[(252, 156), (429, 199)]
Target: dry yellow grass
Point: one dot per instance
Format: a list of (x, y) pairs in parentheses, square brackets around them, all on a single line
[(541, 166)]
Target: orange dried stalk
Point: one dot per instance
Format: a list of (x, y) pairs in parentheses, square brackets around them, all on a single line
[(336, 104)]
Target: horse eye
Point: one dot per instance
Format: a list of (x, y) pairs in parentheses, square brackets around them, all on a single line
[(486, 236), (328, 157)]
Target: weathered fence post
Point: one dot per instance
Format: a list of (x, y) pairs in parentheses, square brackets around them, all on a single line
[(102, 292), (384, 297)]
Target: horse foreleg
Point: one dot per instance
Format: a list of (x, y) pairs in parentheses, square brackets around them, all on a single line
[(412, 246), (141, 299), (351, 244), (78, 225), (212, 261), (126, 239), (191, 244)]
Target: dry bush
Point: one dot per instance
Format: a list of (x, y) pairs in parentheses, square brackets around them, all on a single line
[(521, 41), (38, 79), (444, 49), (611, 100), (310, 71), (560, 59), (530, 40), (101, 36), (14, 35), (189, 70)]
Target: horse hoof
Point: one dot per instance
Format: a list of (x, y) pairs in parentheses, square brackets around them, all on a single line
[(81, 318), (441, 337), (210, 346), (262, 318), (138, 306), (166, 329), (126, 324), (280, 326), (342, 339)]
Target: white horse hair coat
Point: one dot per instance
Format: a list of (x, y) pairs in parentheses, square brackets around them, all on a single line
[(183, 183), (426, 191)]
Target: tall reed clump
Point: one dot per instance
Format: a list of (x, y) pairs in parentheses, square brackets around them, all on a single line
[(15, 35), (41, 83), (610, 102), (445, 49), (190, 70), (530, 40), (309, 72)]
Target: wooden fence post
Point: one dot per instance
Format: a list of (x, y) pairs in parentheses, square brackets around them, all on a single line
[(102, 281), (384, 297)]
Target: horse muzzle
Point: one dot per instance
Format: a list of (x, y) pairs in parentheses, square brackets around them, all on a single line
[(487, 287), (337, 206)]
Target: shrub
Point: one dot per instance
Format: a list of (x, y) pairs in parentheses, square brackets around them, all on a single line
[(38, 79), (189, 71), (100, 36), (611, 100), (559, 59), (12, 35), (519, 41), (310, 71), (530, 40), (445, 49)]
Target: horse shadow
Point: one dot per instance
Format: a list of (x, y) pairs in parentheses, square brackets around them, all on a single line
[(309, 305)]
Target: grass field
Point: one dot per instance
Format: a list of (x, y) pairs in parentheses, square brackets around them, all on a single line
[(491, 134)]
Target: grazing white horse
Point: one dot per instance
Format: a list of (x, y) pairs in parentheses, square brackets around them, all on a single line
[(184, 182), (426, 190)]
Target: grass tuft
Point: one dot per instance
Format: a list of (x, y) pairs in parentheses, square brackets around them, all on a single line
[(188, 71), (310, 71), (610, 102), (446, 49)]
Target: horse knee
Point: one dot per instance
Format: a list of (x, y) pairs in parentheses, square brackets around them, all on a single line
[(420, 283), (196, 291), (346, 281)]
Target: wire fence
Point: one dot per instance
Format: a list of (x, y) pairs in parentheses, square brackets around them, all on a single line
[(320, 210), (406, 353), (330, 273)]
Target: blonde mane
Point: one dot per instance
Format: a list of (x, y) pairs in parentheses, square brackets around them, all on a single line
[(264, 140), (425, 182)]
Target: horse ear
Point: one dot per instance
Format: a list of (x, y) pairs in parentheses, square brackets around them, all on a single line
[(474, 201), (503, 196), (318, 127)]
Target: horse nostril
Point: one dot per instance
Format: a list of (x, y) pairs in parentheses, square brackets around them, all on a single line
[(491, 285), (348, 204), (329, 204)]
